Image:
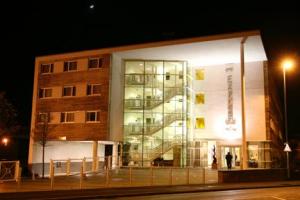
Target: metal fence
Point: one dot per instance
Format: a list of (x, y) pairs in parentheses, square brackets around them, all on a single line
[(10, 171), (85, 174), (134, 176), (73, 166)]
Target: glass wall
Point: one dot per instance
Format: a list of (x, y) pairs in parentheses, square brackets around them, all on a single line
[(259, 155), (154, 113)]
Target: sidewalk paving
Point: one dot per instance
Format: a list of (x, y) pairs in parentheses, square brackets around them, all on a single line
[(137, 191)]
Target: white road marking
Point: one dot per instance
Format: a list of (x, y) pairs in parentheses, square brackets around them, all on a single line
[(277, 198)]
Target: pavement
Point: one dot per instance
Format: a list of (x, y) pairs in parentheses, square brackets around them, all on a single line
[(114, 192)]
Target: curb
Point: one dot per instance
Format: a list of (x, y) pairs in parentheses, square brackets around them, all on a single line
[(205, 189), (134, 191)]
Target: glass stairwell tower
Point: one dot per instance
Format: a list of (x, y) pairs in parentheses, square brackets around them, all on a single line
[(155, 129)]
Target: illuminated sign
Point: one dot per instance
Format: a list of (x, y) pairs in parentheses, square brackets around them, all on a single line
[(230, 121)]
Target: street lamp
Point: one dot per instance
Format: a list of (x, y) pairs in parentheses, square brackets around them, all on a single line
[(286, 65), (5, 141)]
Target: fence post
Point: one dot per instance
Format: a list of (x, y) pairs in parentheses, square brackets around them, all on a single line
[(68, 167), (81, 177), (83, 164), (151, 178), (188, 176), (51, 167), (107, 177), (33, 175), (17, 168), (203, 175), (171, 176), (109, 160), (52, 177), (97, 164), (20, 175), (130, 176), (120, 161)]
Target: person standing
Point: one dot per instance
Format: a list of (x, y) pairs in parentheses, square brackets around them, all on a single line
[(228, 160)]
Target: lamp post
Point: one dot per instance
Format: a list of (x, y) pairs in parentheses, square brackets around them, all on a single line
[(287, 64), (5, 141)]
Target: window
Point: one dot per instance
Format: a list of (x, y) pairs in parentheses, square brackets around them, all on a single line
[(167, 76), (70, 66), (46, 68), (69, 91), (199, 98), (92, 116), (45, 92), (95, 63), (199, 74), (200, 123), (180, 75), (43, 117), (66, 117), (253, 152), (93, 89)]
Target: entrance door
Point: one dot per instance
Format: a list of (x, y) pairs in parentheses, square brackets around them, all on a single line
[(236, 156), (108, 155), (108, 150)]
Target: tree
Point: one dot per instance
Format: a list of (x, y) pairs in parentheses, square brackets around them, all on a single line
[(11, 132), (8, 117), (43, 140), (41, 134)]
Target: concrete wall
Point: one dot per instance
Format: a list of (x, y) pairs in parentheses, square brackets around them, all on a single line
[(66, 149), (116, 99), (62, 150), (214, 110), (236, 176), (255, 102)]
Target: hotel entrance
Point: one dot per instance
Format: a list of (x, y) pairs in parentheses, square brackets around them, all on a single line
[(235, 151)]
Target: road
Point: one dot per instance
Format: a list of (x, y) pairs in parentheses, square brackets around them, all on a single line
[(272, 190), (283, 193)]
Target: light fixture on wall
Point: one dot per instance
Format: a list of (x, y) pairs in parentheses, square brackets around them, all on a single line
[(62, 138)]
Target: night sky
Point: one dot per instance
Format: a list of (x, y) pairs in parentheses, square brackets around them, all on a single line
[(33, 28)]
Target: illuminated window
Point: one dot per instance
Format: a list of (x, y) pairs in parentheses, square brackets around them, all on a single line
[(199, 74), (253, 151), (46, 68), (66, 117), (199, 98), (200, 123), (180, 74), (69, 91), (93, 89), (70, 66), (95, 63), (92, 116), (167, 76), (45, 92)]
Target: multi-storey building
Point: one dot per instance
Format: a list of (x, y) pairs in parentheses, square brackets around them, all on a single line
[(176, 102)]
